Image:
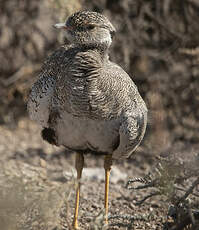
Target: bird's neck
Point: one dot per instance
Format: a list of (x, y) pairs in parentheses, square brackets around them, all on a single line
[(101, 48)]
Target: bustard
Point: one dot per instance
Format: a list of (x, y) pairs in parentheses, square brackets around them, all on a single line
[(84, 101)]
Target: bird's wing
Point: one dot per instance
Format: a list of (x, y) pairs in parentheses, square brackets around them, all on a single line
[(132, 112), (39, 101), (131, 133)]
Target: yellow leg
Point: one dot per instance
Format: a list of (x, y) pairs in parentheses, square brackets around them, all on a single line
[(79, 164), (107, 167)]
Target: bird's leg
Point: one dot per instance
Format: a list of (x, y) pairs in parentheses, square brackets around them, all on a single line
[(107, 167), (79, 164)]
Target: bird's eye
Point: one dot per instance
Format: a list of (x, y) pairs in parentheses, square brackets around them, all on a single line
[(90, 26)]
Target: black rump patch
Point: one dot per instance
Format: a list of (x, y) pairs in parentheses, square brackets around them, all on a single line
[(49, 135)]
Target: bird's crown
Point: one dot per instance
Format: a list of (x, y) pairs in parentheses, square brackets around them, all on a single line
[(86, 19)]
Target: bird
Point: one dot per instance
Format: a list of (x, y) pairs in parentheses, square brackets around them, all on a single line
[(85, 102)]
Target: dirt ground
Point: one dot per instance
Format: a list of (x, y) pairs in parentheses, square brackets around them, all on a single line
[(24, 149), (38, 183)]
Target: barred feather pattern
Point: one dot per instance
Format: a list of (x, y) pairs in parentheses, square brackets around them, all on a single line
[(95, 88), (79, 88)]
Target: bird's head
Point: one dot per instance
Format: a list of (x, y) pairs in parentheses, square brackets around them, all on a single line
[(85, 27)]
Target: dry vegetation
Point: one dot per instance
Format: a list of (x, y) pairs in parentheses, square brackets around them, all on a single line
[(175, 177), (158, 44)]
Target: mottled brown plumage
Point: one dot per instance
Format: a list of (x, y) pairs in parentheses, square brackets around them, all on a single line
[(80, 89), (83, 100)]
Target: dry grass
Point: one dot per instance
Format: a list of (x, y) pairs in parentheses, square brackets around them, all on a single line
[(176, 180)]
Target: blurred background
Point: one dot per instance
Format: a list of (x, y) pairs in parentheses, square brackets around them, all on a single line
[(157, 43)]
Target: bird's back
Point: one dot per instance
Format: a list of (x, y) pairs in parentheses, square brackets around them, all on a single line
[(82, 99), (93, 87)]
